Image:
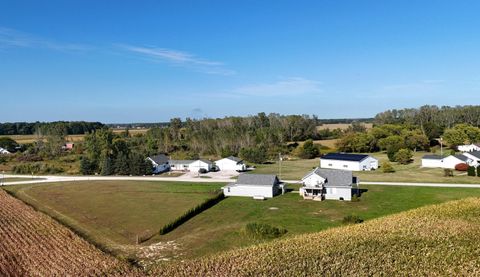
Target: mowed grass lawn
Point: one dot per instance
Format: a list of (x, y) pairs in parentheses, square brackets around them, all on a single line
[(116, 212), (413, 172), (221, 227)]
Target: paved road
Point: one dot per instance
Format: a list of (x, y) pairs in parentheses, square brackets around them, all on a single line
[(52, 179)]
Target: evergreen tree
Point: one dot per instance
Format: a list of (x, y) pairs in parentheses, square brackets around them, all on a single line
[(107, 166), (471, 171)]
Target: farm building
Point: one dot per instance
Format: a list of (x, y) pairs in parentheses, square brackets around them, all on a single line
[(469, 147), (4, 151), (258, 186), (180, 165), (474, 156), (195, 166), (353, 162), (231, 164), (160, 163), (434, 161), (68, 146), (324, 183)]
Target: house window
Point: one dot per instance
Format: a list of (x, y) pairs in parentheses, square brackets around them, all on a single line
[(329, 164), (345, 165), (228, 189)]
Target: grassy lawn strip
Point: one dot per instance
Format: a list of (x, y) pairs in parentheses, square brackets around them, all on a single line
[(112, 213), (222, 226)]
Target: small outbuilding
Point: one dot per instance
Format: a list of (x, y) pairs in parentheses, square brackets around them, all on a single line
[(433, 161), (325, 183), (160, 163), (231, 164), (257, 186), (345, 161)]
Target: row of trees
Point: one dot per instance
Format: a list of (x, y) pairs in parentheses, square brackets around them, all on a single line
[(432, 120), (461, 134), (41, 128)]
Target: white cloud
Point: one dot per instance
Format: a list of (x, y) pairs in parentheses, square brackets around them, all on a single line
[(179, 58), (10, 38), (285, 87)]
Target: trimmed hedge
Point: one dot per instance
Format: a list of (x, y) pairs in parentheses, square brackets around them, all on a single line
[(191, 213)]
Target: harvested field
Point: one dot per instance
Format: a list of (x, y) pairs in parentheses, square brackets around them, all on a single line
[(438, 240), (32, 244)]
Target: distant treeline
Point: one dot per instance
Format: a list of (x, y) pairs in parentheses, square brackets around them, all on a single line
[(345, 120), (30, 128), (137, 125)]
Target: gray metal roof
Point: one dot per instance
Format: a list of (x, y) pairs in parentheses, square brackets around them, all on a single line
[(257, 179), (475, 154), (432, 157), (461, 157), (205, 161), (235, 159), (160, 159), (335, 177), (173, 162)]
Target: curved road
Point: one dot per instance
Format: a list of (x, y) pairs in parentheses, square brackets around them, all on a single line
[(53, 178)]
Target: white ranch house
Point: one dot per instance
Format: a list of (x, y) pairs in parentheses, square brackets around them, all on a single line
[(257, 186), (231, 164), (353, 162), (160, 163), (324, 183), (180, 165), (436, 161), (469, 147)]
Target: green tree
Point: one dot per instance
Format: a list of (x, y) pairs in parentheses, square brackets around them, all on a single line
[(121, 164), (254, 154), (87, 167), (308, 150), (478, 171), (404, 156), (455, 137), (471, 171), (107, 166), (387, 167)]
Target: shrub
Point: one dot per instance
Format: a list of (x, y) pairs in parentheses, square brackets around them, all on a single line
[(191, 213), (355, 198), (308, 150), (471, 171), (263, 231), (478, 171), (352, 219), (403, 156), (387, 167), (447, 172), (461, 167)]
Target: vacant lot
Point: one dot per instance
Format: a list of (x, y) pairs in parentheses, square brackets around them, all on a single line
[(33, 244), (116, 213), (296, 169), (440, 240)]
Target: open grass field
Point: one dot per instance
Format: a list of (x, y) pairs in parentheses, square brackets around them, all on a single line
[(33, 244), (113, 213), (296, 169), (439, 240)]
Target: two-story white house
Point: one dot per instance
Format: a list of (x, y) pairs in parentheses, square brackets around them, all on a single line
[(324, 183)]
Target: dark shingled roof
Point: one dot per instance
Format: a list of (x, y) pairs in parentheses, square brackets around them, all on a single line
[(344, 157), (461, 157), (432, 157), (336, 177), (475, 154), (160, 159), (257, 179), (235, 159)]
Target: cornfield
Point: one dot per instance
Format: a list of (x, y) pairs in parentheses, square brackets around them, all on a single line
[(33, 244), (438, 240)]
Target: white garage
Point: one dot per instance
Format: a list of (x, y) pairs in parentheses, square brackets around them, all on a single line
[(199, 164), (433, 161), (353, 162), (231, 164), (258, 186)]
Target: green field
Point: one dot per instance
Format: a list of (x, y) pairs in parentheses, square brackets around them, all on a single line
[(296, 169), (115, 213)]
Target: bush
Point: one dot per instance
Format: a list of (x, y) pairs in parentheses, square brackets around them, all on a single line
[(478, 171), (352, 219), (471, 171), (387, 167), (308, 150), (447, 172), (263, 231), (403, 156), (461, 167), (191, 213), (355, 198)]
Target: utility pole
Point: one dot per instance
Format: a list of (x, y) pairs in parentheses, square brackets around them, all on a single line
[(441, 146)]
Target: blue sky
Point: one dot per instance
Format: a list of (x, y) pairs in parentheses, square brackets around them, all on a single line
[(149, 61)]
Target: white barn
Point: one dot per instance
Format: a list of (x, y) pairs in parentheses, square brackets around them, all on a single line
[(195, 166), (324, 183), (160, 163), (352, 162), (469, 147), (432, 161), (258, 186), (231, 164)]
